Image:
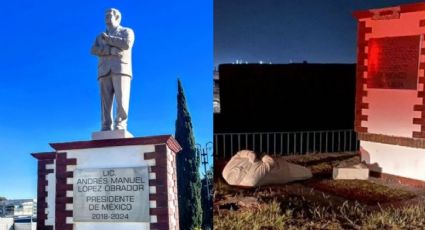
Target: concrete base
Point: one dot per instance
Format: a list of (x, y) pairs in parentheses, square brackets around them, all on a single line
[(58, 201), (357, 172), (113, 134), (395, 159)]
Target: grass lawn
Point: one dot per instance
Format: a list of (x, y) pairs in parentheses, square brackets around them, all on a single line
[(319, 203)]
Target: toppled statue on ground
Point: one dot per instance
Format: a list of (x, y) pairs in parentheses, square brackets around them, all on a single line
[(246, 169)]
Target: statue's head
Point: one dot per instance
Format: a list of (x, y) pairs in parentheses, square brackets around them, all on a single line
[(112, 18)]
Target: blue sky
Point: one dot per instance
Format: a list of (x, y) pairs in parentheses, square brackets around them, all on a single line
[(49, 91)]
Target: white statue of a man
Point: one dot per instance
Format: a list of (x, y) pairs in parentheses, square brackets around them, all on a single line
[(113, 48), (246, 169)]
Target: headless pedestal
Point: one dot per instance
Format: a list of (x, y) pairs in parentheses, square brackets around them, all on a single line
[(390, 98)]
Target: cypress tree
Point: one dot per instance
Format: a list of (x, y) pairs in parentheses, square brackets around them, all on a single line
[(188, 179)]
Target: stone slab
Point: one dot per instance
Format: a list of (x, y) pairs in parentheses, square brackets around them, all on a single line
[(111, 195), (113, 134), (350, 173)]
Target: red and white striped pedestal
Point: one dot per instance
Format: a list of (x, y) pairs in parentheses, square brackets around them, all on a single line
[(56, 179), (390, 92)]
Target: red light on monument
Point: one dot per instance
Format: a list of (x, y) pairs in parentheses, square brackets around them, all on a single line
[(373, 59), (393, 62)]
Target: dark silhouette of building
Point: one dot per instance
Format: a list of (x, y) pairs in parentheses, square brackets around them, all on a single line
[(285, 97)]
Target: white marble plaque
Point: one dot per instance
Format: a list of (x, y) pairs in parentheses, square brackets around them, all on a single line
[(111, 195)]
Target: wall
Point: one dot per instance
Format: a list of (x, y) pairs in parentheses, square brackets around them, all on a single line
[(50, 199), (123, 156), (285, 97), (391, 122), (173, 210), (390, 111), (394, 159), (157, 152), (6, 223)]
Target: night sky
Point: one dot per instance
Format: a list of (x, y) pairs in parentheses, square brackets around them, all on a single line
[(283, 31)]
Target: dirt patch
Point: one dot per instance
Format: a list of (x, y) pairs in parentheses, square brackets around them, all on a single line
[(363, 191)]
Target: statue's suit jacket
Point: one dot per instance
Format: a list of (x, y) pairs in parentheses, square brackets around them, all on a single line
[(115, 52), (245, 169)]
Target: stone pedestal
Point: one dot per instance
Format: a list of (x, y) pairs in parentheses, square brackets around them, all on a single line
[(108, 160), (113, 134), (390, 90)]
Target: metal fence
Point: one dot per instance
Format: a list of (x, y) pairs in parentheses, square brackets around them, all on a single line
[(286, 143)]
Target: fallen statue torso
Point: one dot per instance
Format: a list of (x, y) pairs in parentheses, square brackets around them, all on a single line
[(245, 169)]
